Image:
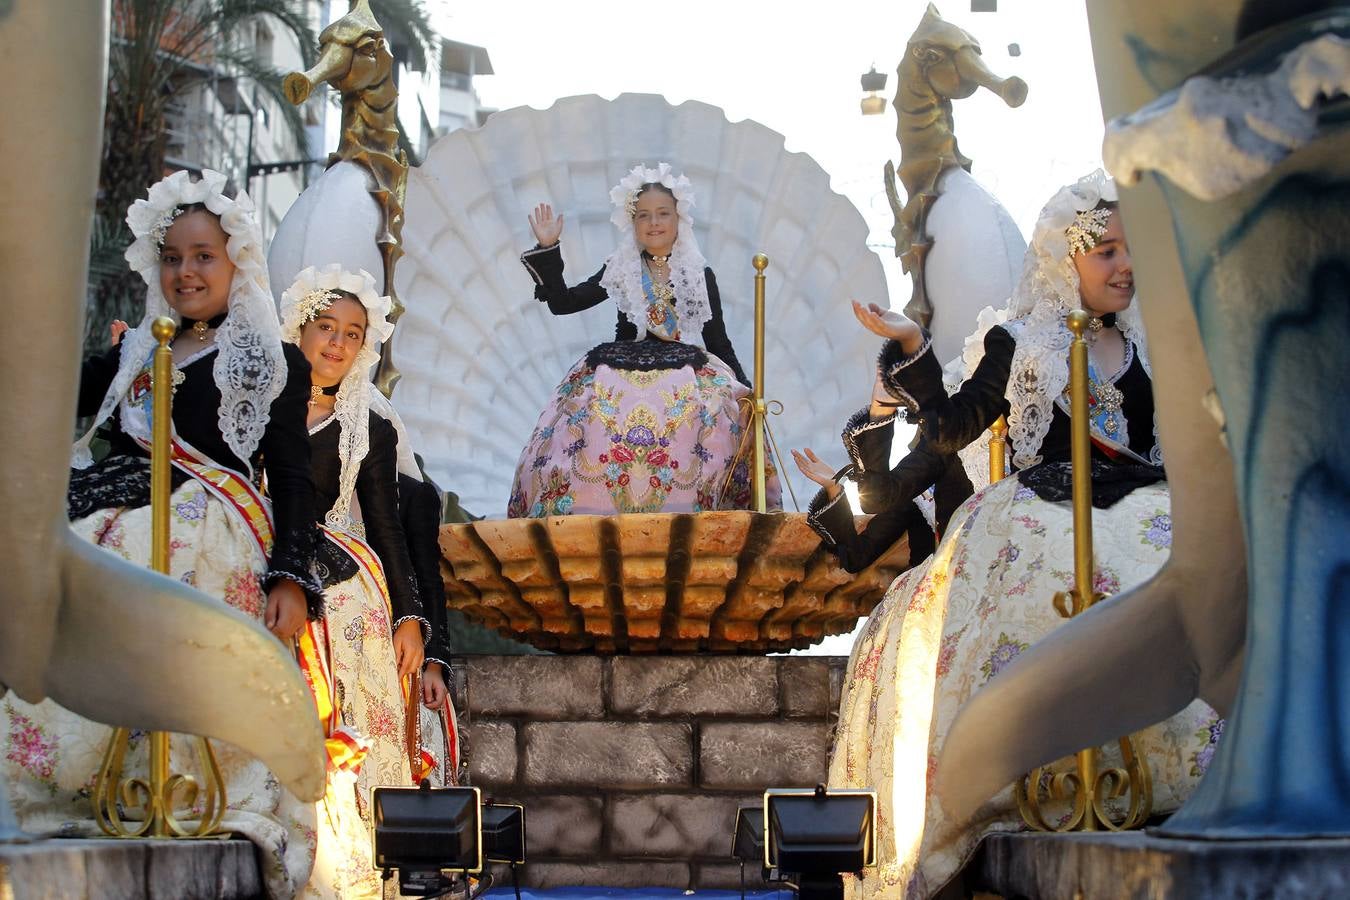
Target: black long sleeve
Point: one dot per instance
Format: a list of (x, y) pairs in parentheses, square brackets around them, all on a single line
[(377, 491), (545, 265), (951, 422), (833, 521), (96, 376), (286, 461), (420, 511)]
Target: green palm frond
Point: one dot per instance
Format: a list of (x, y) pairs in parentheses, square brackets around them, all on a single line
[(410, 19)]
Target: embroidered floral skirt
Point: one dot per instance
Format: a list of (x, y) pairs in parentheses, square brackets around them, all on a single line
[(370, 701), (946, 628), (617, 438), (51, 755)]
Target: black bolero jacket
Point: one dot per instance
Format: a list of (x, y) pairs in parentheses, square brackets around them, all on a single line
[(377, 486), (952, 422), (545, 265), (420, 508), (283, 454)]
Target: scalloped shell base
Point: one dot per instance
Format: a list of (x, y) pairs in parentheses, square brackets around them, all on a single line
[(713, 582)]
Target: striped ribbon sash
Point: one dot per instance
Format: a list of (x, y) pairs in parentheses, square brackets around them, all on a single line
[(421, 762)]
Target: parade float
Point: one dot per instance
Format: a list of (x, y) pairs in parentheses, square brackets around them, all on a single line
[(658, 713)]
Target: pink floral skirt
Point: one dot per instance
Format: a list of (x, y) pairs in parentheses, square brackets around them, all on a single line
[(628, 440)]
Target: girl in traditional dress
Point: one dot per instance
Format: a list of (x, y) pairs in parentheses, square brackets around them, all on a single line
[(947, 627), (652, 421), (375, 628), (238, 415)]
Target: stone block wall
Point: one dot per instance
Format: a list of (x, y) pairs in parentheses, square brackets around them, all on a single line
[(631, 768)]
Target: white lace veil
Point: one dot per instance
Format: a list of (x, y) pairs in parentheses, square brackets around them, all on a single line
[(1046, 293), (623, 269), (249, 368), (352, 408)]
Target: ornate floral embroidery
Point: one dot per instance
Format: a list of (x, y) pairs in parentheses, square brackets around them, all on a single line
[(244, 593), (1004, 652), (32, 749), (1210, 734), (1158, 529), (638, 440), (194, 508)]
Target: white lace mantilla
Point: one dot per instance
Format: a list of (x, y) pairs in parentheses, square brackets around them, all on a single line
[(1034, 317), (249, 369), (623, 269), (352, 406)]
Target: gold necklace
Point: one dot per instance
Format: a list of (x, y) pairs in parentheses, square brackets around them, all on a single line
[(200, 328)]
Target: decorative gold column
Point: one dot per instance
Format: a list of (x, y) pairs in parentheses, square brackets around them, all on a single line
[(998, 445), (113, 795), (758, 420), (1088, 789)]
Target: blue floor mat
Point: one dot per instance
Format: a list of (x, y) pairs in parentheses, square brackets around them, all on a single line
[(609, 893)]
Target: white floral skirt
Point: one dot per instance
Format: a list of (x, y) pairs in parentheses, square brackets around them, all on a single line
[(51, 756), (946, 628), (370, 701)]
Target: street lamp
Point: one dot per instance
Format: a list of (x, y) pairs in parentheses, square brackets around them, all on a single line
[(873, 82)]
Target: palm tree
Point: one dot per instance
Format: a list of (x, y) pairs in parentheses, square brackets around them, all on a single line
[(160, 50)]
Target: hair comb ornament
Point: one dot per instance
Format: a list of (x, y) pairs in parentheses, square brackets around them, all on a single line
[(314, 303), (1086, 230)]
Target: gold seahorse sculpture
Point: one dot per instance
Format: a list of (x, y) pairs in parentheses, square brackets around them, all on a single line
[(355, 61), (942, 63)]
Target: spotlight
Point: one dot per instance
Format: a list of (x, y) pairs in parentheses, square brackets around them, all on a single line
[(817, 834), (424, 832), (747, 842), (504, 837)]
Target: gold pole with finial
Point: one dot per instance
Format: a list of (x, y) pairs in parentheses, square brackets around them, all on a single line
[(759, 416), (1089, 788), (998, 443), (112, 794)]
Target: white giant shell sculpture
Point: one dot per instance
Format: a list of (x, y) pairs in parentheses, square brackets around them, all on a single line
[(481, 357)]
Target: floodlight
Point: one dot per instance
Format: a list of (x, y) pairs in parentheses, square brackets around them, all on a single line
[(423, 832), (747, 842), (817, 834), (504, 837)]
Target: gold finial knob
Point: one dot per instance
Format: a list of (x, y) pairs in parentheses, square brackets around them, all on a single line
[(760, 262), (162, 329), (1078, 322)]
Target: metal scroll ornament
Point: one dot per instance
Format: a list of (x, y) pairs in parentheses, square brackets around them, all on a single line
[(157, 796), (1089, 790)]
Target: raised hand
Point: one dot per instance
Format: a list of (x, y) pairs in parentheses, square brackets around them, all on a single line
[(546, 228), (813, 467), (890, 324)]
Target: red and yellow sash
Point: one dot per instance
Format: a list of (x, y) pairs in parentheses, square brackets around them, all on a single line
[(345, 747), (420, 761)]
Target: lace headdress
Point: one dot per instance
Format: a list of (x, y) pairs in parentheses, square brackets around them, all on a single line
[(1047, 291), (623, 269), (249, 368), (312, 292)]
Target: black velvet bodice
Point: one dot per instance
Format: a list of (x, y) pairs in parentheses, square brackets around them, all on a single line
[(282, 455), (545, 266), (377, 496)]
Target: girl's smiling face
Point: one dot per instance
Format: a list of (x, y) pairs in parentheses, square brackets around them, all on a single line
[(1105, 273), (332, 339), (195, 271)]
